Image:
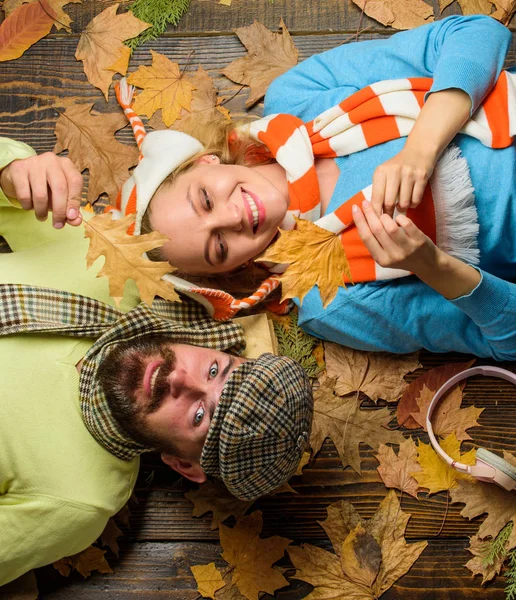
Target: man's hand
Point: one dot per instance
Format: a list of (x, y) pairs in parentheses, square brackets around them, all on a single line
[(45, 183), (403, 178)]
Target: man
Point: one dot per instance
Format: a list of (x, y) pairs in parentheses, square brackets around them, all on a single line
[(60, 480)]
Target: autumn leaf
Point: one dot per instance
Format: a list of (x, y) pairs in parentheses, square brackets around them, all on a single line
[(53, 8), (125, 260), (341, 520), (164, 86), (23, 588), (305, 459), (399, 14), (109, 537), (251, 557), (476, 7), (24, 27), (505, 10), (448, 416), (433, 380), (91, 559), (395, 470), (208, 579), (376, 374), (304, 249), (478, 565), (436, 474), (342, 420), (269, 55), (374, 555), (480, 498), (214, 497), (91, 143), (101, 47)]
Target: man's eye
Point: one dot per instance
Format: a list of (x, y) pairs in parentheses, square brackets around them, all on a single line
[(199, 415), (207, 202), (214, 370)]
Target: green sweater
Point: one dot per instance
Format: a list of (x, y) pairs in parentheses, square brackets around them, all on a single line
[(58, 486)]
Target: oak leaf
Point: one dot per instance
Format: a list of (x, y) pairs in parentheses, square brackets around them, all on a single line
[(448, 416), (269, 55), (91, 559), (24, 27), (101, 47), (304, 250), (374, 555), (480, 498), (164, 86), (399, 14), (478, 565), (433, 380), (214, 497), (342, 420), (395, 470), (125, 260), (208, 579), (436, 474), (251, 557), (376, 374)]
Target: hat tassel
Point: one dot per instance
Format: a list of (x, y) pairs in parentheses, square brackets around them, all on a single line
[(124, 94)]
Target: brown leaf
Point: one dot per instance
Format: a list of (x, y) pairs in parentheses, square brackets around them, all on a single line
[(448, 416), (91, 143), (208, 579), (376, 374), (214, 497), (374, 555), (476, 7), (164, 86), (124, 260), (477, 565), (444, 4), (110, 536), (433, 380), (53, 8), (269, 55), (395, 470), (400, 14), (305, 459), (304, 249), (342, 420), (436, 474), (252, 557), (101, 46), (341, 520), (24, 27), (505, 10), (91, 559), (23, 588)]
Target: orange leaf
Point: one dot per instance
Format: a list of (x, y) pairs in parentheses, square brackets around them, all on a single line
[(24, 27), (91, 559)]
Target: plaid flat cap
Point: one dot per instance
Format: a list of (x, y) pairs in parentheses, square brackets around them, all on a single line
[(261, 426)]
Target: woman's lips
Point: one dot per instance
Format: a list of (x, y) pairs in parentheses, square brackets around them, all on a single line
[(147, 376), (259, 207)]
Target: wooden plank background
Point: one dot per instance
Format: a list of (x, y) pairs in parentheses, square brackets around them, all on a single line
[(164, 539)]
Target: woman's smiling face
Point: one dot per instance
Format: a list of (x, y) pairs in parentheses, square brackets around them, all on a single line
[(217, 217)]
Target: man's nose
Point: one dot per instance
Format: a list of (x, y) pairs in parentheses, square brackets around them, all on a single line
[(183, 383)]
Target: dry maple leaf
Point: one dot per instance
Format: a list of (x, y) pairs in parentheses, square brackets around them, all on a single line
[(304, 250), (110, 536), (101, 47), (208, 579), (433, 380), (214, 497), (53, 8), (252, 557), (400, 14), (269, 55), (24, 27), (91, 143), (376, 374), (395, 470), (505, 10), (480, 498), (342, 420), (448, 416), (478, 565), (125, 260), (91, 559), (373, 556), (164, 86), (437, 475)]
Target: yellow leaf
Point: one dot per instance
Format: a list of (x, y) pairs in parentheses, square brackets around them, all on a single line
[(124, 258), (24, 27), (101, 44), (314, 257), (208, 579), (164, 86), (361, 557), (435, 473), (395, 470)]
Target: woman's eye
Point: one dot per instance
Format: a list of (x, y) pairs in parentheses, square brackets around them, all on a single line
[(214, 370), (207, 202), (222, 252), (199, 415)]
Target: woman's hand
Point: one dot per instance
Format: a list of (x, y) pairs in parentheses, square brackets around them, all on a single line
[(403, 178), (45, 183)]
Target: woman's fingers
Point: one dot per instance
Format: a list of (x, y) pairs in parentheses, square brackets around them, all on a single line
[(378, 191), (75, 184)]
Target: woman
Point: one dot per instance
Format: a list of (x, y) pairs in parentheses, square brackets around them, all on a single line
[(221, 216)]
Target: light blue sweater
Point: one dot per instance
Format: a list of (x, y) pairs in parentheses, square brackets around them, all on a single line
[(403, 315)]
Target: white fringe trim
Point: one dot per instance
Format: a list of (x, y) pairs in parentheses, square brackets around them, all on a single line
[(455, 210), (126, 91)]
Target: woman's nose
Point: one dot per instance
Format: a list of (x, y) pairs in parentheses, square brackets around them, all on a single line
[(229, 216), (183, 383)]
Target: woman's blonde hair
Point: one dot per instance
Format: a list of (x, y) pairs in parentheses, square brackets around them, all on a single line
[(219, 138)]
